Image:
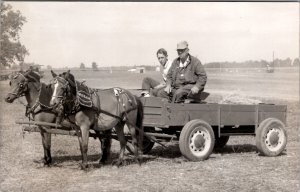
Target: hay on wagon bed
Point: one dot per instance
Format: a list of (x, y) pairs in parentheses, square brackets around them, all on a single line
[(236, 98)]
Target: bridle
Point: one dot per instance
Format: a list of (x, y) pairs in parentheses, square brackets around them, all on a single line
[(22, 87), (65, 86)]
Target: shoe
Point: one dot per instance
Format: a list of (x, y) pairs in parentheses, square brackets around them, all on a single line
[(145, 94)]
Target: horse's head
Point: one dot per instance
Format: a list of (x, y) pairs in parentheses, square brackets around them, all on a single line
[(19, 84), (62, 89)]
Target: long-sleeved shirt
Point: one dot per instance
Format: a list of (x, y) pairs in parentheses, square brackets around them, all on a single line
[(165, 69)]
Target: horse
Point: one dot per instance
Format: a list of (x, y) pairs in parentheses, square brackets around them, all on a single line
[(100, 110), (38, 96), (28, 84)]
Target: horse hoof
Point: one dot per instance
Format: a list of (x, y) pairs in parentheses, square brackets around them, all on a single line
[(118, 163), (43, 162), (102, 163), (47, 162), (84, 166)]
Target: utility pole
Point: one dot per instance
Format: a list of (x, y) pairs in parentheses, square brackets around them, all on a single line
[(273, 60)]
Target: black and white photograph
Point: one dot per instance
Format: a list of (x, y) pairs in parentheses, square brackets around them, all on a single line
[(149, 96)]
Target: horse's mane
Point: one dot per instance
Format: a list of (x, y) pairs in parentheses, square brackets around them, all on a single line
[(32, 76), (71, 80)]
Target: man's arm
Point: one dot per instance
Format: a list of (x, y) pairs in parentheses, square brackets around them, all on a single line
[(169, 77), (202, 78), (170, 73)]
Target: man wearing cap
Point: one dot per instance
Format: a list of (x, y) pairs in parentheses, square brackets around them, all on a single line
[(186, 76), (151, 85)]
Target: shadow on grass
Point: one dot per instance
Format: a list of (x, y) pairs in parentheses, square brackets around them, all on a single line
[(171, 151), (62, 159), (245, 148), (93, 160)]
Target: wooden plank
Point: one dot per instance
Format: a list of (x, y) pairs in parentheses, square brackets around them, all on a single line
[(153, 110), (52, 131), (38, 123), (153, 101), (272, 108), (278, 115), (64, 125)]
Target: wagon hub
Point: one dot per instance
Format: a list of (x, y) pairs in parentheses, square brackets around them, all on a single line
[(199, 141), (273, 138)]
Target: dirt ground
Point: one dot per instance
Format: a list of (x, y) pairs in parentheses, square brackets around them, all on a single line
[(237, 167)]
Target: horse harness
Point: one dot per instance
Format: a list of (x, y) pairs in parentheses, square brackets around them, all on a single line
[(38, 106), (118, 92), (84, 100), (31, 110)]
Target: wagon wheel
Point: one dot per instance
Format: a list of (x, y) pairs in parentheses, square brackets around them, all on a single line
[(271, 137), (147, 144), (221, 142), (196, 140)]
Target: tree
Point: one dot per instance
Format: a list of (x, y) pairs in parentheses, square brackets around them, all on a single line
[(11, 51), (82, 66), (94, 66), (296, 62)]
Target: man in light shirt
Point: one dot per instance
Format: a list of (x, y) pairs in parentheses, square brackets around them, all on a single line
[(152, 86), (186, 76)]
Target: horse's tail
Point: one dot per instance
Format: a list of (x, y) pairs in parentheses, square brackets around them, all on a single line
[(139, 122)]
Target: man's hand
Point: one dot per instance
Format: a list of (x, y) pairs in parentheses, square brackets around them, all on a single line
[(195, 90), (168, 89)]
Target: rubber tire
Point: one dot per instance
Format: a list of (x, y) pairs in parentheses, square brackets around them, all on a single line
[(220, 142), (147, 144), (261, 133), (185, 137)]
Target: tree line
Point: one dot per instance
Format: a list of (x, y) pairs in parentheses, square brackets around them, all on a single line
[(255, 64)]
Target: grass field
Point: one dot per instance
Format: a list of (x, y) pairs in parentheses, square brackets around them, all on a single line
[(237, 167)]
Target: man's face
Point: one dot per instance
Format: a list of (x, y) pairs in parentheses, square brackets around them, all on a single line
[(162, 59), (183, 53)]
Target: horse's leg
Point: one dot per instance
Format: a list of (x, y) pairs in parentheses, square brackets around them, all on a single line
[(121, 137), (134, 142), (105, 146), (105, 141), (83, 139), (46, 140)]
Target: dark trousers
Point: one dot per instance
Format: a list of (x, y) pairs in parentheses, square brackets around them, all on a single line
[(178, 95), (149, 84)]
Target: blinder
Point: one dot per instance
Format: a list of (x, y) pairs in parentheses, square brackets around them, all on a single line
[(22, 85)]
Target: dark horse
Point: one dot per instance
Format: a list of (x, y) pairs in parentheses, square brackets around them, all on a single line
[(99, 110), (38, 96)]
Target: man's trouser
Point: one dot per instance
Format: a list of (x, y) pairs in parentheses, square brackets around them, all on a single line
[(149, 84), (177, 95)]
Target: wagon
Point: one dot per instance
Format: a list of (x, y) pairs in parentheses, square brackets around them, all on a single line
[(199, 127)]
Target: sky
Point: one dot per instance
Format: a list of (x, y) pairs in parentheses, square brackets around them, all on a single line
[(65, 34)]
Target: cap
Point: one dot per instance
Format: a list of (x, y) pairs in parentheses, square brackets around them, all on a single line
[(182, 45)]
